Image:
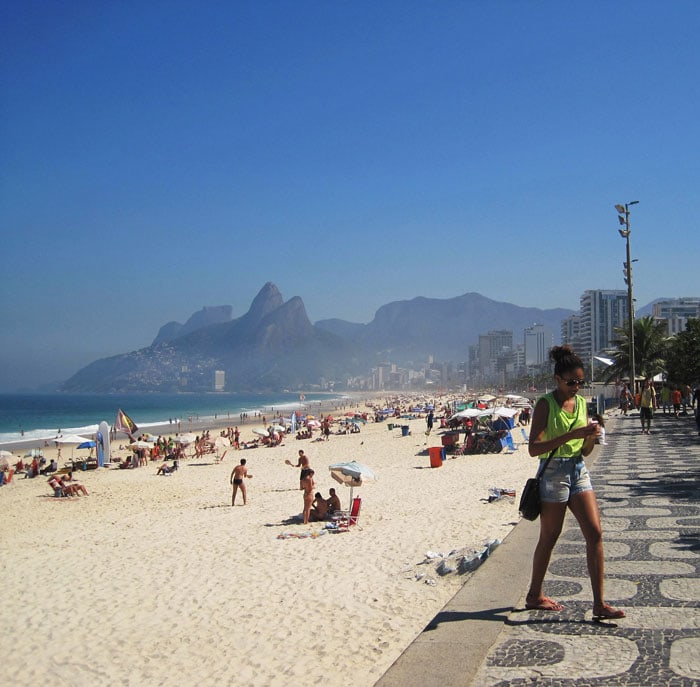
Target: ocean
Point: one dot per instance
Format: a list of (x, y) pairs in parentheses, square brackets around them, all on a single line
[(28, 417)]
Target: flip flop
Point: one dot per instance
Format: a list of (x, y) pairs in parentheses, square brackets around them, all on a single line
[(609, 613), (543, 604)]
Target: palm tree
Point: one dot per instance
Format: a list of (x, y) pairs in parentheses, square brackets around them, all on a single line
[(650, 349)]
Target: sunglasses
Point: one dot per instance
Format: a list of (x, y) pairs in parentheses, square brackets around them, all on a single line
[(574, 382)]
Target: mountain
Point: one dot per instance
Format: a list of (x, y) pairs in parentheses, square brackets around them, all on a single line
[(275, 346), (443, 328), (202, 318), (272, 346)]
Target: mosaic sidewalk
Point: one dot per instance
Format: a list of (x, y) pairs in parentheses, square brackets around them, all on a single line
[(648, 488)]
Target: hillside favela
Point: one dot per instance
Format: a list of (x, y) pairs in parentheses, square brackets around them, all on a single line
[(466, 342)]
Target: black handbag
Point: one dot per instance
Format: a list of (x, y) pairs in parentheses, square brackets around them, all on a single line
[(530, 504)]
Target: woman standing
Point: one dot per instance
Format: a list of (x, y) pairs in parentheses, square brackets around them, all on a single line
[(560, 428)]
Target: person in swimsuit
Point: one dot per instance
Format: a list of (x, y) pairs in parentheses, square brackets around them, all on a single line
[(560, 429), (239, 473), (302, 463), (308, 485)]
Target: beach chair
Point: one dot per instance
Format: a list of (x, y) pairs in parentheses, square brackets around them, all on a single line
[(525, 436), (504, 444), (346, 518), (9, 476), (510, 442)]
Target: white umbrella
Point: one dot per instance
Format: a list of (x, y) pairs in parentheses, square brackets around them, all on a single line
[(69, 439), (352, 474), (185, 439), (5, 460), (279, 428), (261, 432), (467, 412), (504, 412), (136, 445)]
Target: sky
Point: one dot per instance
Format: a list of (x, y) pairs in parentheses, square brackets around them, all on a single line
[(159, 157)]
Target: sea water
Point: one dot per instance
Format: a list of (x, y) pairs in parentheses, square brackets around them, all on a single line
[(28, 417)]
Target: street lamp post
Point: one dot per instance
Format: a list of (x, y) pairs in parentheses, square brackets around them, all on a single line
[(624, 219)]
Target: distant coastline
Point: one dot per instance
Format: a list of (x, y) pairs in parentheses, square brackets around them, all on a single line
[(28, 420)]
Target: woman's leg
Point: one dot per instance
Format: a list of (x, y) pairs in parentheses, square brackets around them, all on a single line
[(584, 506), (551, 521)]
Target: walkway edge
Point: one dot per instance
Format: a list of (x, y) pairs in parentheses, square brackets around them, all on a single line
[(449, 651)]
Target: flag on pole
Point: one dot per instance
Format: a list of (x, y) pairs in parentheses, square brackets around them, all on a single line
[(124, 423)]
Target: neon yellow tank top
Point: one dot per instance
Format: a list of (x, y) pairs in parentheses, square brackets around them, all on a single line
[(560, 421)]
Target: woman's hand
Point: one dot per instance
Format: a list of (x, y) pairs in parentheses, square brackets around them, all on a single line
[(589, 430)]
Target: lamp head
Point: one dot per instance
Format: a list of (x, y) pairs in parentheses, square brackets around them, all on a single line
[(620, 208), (624, 233)]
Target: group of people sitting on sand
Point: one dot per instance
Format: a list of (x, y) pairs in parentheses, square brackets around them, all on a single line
[(63, 485)]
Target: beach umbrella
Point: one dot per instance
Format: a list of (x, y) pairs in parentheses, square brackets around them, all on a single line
[(502, 411), (279, 428), (352, 474), (261, 432), (87, 444), (5, 460), (69, 439), (136, 445), (313, 423), (185, 439), (466, 413)]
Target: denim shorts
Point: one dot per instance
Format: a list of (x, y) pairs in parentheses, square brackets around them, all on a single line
[(564, 478)]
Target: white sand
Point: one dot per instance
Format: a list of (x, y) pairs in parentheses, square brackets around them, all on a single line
[(156, 580)]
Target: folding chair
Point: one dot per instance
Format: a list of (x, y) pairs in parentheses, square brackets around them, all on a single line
[(346, 518), (504, 445), (525, 435), (510, 442)]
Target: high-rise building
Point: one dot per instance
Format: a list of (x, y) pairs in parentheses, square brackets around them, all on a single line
[(571, 331), (601, 313), (492, 345), (537, 341), (219, 380), (676, 312)]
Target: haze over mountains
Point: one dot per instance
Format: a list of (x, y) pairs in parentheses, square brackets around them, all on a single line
[(274, 345)]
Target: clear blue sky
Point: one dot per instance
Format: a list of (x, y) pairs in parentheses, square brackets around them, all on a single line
[(162, 156)]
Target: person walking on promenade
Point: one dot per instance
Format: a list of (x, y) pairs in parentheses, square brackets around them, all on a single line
[(647, 405), (560, 429), (666, 398), (676, 398)]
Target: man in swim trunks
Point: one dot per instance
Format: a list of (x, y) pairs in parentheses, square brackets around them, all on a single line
[(239, 473), (302, 463)]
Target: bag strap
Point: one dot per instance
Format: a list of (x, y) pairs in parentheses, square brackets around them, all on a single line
[(543, 467)]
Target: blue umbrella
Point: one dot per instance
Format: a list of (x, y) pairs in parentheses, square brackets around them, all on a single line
[(87, 444)]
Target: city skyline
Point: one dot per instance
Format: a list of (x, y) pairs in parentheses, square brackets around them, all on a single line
[(163, 157)]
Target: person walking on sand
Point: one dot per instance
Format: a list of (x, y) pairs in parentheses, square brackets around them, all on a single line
[(560, 429), (238, 475)]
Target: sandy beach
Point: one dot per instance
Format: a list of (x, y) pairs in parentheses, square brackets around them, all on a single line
[(158, 580)]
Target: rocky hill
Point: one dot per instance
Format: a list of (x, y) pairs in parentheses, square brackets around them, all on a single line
[(275, 346)]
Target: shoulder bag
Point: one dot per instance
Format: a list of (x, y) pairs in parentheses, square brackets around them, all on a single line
[(530, 504)]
